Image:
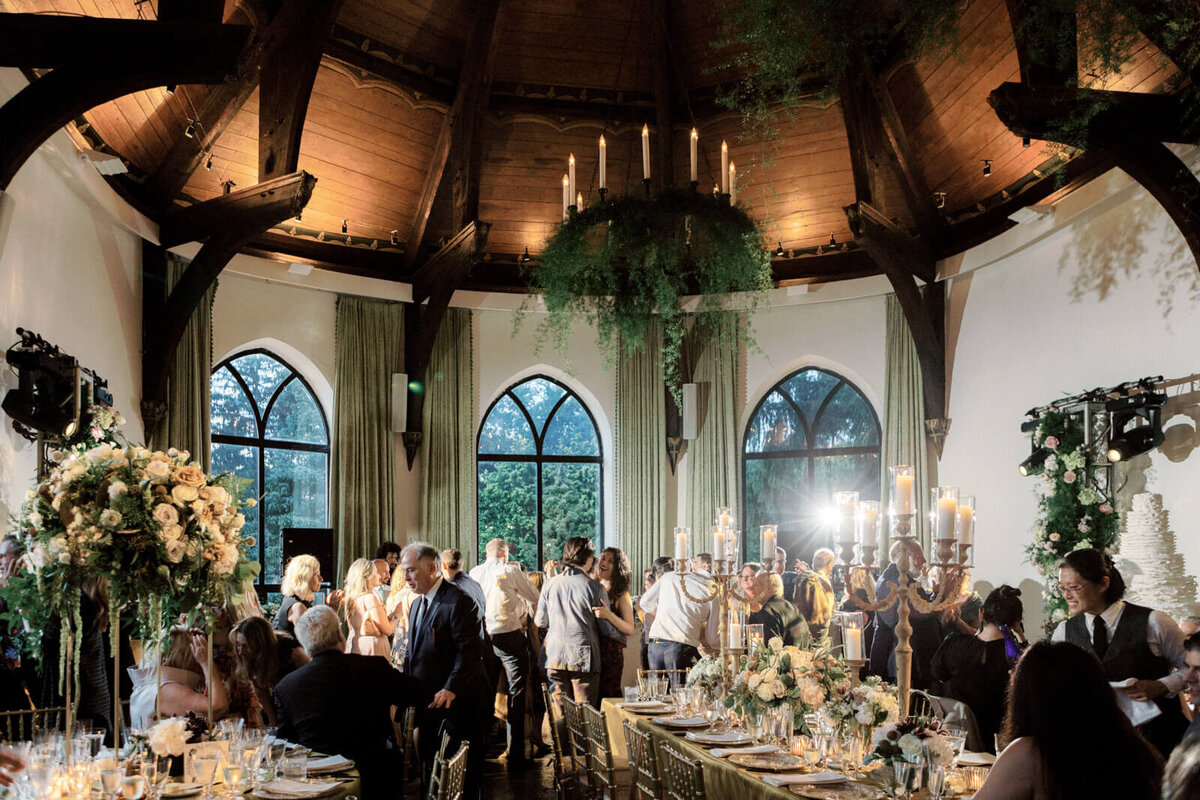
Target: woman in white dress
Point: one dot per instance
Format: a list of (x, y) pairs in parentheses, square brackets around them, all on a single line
[(184, 672), (364, 613)]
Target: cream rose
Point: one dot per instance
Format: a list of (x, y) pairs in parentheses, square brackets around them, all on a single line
[(158, 471), (170, 532), (764, 692), (811, 693), (183, 494), (110, 518), (753, 683), (775, 643), (169, 737), (176, 549), (189, 476), (165, 514)]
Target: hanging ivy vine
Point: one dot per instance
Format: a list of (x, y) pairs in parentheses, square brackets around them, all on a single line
[(1073, 514), (625, 263)]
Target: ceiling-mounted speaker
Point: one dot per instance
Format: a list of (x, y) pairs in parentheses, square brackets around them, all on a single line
[(688, 412), (399, 402)]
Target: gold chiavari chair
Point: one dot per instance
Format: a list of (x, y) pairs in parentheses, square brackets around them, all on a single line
[(611, 775), (564, 770), (577, 743), (23, 725), (454, 774), (643, 763), (682, 778)]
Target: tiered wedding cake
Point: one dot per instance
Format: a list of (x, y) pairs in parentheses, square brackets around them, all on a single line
[(1154, 570)]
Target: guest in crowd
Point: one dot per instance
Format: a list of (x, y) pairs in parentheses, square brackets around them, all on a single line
[(398, 606), (256, 667), (385, 575), (507, 597), (955, 583), (10, 765), (614, 573), (789, 577), (1067, 736), (537, 672), (1130, 641), (975, 668), (301, 580), (1191, 676), (777, 616), (657, 567), (926, 627), (681, 625), (452, 571), (573, 629), (364, 613), (94, 698), (648, 579), (339, 703), (289, 655), (814, 595), (444, 655), (185, 682), (1182, 778), (389, 552)]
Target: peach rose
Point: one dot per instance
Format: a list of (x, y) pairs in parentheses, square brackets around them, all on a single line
[(189, 476)]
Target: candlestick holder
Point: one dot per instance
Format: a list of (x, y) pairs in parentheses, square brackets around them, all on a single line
[(724, 587), (868, 557), (695, 185), (603, 193), (846, 558), (945, 550), (572, 210), (964, 552), (646, 185)]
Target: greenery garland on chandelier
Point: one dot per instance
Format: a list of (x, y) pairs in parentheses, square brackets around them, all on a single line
[(623, 263), (1073, 513)]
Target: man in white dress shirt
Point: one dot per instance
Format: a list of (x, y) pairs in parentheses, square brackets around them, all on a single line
[(509, 596), (1131, 641), (681, 626)]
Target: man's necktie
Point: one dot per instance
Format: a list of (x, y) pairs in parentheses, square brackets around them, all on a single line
[(1099, 636), (420, 615)]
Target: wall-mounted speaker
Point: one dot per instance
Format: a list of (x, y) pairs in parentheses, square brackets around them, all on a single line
[(689, 411), (399, 402)]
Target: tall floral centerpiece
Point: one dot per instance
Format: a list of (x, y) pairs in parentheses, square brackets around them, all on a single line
[(775, 675), (859, 710), (152, 523)]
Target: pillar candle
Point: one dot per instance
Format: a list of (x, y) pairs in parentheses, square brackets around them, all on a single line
[(718, 544), (724, 517), (870, 528), (732, 183), (681, 549), (904, 493), (724, 168), (766, 551), (646, 152), (735, 635), (694, 144), (853, 640), (603, 163), (947, 512), (571, 175), (966, 524)]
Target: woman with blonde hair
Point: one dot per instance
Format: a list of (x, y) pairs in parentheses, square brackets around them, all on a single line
[(184, 672), (363, 611), (301, 580), (397, 605)]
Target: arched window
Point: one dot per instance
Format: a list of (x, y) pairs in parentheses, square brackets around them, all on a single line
[(268, 426), (813, 434), (540, 471)]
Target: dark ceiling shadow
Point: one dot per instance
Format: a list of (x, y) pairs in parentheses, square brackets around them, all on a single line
[(1144, 245)]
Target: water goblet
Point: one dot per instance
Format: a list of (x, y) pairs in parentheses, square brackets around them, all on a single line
[(233, 772), (162, 775), (643, 685), (41, 776), (205, 769), (148, 769), (295, 766), (903, 773), (809, 753), (937, 782), (110, 780)]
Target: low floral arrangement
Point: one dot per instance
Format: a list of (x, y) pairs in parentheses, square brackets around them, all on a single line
[(1073, 513), (707, 674), (862, 708), (775, 675), (169, 736), (910, 739)]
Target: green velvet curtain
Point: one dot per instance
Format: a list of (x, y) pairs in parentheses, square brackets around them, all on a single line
[(190, 379), (904, 419), (640, 454), (713, 459), (448, 441), (369, 348)]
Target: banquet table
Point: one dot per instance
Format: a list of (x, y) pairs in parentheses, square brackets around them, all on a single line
[(349, 784)]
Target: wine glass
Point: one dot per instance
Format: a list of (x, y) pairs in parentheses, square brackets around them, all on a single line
[(233, 771), (902, 772), (205, 769), (41, 776), (110, 780), (937, 782)]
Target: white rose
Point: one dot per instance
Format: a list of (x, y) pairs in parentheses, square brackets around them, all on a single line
[(110, 518), (769, 675), (777, 688), (910, 746), (864, 716), (101, 452), (176, 549), (35, 519), (38, 556), (116, 489), (811, 693), (183, 494), (172, 532), (169, 737), (775, 643), (754, 681), (226, 561), (158, 471), (165, 514), (764, 692)]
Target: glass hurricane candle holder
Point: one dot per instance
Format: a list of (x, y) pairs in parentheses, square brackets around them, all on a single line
[(945, 518), (902, 486)]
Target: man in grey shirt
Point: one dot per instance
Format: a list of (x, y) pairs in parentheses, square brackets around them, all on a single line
[(573, 641)]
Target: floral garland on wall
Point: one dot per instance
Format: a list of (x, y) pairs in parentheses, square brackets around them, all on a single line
[(1073, 513)]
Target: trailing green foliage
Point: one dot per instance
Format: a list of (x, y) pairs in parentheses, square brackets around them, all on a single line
[(1073, 513), (621, 264)]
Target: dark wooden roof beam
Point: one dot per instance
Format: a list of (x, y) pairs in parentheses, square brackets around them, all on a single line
[(1045, 112)]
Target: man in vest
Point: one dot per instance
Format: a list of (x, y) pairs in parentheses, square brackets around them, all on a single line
[(1137, 646)]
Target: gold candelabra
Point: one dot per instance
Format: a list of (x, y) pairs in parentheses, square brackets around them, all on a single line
[(724, 586)]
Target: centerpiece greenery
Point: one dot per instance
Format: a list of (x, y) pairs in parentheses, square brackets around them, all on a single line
[(774, 675), (621, 264), (1073, 514)]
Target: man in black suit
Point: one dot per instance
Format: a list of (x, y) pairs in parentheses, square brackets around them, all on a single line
[(338, 703), (445, 655)]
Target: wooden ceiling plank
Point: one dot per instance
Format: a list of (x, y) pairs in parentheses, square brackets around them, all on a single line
[(1184, 52)]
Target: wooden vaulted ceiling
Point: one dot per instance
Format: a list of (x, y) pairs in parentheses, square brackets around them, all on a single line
[(564, 72)]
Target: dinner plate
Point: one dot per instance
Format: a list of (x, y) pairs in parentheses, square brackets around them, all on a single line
[(328, 765), (809, 779), (846, 791), (772, 762), (966, 759), (660, 708), (727, 737), (685, 722), (181, 789)]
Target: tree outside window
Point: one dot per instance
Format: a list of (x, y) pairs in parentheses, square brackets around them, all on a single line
[(813, 434), (540, 472), (268, 426)]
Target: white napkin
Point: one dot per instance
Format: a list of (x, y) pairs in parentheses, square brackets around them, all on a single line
[(329, 764), (1139, 711), (814, 778), (723, 752), (968, 759), (286, 788)]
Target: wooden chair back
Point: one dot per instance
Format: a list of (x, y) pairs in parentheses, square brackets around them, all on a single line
[(577, 740), (643, 763), (25, 724), (682, 777)]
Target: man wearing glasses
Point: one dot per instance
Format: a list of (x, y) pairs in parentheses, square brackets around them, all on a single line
[(1191, 676)]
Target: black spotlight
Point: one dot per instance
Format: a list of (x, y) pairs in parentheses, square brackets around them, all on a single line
[(1033, 464), (1127, 439), (525, 257), (779, 250), (47, 395)]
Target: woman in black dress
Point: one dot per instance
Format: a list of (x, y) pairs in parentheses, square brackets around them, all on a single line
[(301, 580), (975, 669)]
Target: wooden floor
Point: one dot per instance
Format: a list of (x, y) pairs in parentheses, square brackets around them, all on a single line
[(535, 783)]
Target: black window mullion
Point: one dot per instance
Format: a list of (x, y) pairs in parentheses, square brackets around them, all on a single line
[(540, 538)]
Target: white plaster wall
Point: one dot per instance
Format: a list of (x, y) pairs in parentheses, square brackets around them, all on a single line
[(1110, 298), (69, 270)]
